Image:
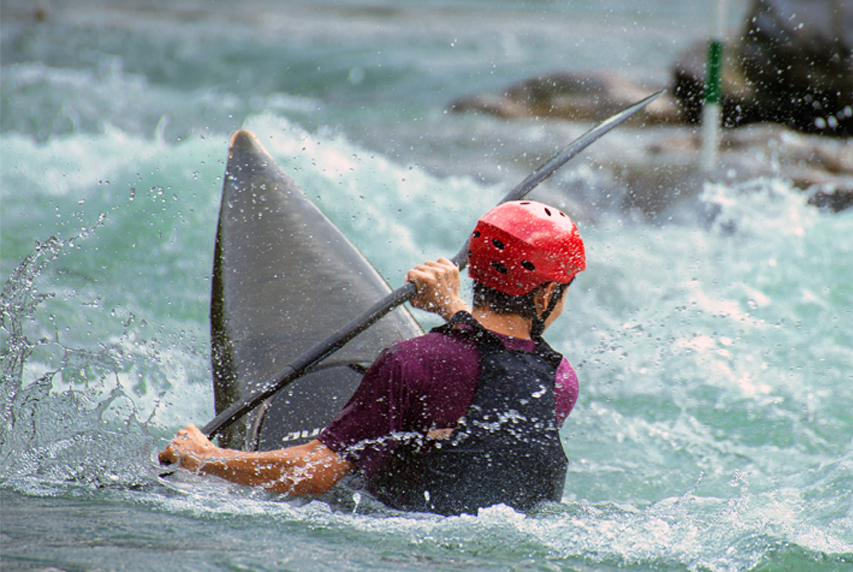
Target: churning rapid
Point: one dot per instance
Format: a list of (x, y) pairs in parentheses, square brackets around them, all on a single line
[(711, 334)]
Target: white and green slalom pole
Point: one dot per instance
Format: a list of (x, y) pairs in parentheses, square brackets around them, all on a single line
[(712, 112)]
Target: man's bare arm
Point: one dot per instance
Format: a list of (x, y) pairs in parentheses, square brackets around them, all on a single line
[(312, 468), (309, 469)]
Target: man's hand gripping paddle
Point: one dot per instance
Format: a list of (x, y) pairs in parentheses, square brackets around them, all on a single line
[(337, 340)]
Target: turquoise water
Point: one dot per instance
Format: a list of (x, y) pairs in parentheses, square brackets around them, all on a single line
[(713, 344)]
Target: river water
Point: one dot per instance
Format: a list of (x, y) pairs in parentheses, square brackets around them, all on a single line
[(713, 342)]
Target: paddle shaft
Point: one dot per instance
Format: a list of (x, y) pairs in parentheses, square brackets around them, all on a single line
[(337, 340)]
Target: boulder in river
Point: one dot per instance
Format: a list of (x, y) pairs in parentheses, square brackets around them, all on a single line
[(793, 64), (579, 96)]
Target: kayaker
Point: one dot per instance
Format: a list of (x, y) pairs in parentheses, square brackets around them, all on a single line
[(464, 417)]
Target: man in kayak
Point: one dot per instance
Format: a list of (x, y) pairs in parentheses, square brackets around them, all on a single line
[(464, 417)]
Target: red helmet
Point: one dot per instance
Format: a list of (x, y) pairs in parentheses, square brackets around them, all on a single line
[(519, 245)]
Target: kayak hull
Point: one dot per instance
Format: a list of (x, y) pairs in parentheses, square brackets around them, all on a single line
[(284, 277)]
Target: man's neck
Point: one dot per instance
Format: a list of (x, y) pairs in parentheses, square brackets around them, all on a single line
[(506, 324)]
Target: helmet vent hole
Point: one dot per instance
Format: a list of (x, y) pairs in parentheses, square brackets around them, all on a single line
[(476, 234), (497, 244), (500, 267), (528, 265)]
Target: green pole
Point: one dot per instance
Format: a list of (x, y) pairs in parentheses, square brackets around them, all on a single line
[(711, 111), (715, 65)]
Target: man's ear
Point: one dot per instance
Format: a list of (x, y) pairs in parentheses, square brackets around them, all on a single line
[(553, 289), (543, 297)]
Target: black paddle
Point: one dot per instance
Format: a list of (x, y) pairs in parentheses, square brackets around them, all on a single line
[(337, 340)]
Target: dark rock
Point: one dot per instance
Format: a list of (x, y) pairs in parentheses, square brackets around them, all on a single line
[(497, 105), (837, 200), (793, 65), (799, 55), (591, 96)]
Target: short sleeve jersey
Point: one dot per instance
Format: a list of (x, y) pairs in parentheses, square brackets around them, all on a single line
[(416, 386)]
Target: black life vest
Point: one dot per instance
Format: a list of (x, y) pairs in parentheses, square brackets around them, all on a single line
[(506, 448)]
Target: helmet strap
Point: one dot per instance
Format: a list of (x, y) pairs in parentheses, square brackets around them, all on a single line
[(538, 327)]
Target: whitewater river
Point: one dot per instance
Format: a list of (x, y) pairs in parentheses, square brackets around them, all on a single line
[(713, 342)]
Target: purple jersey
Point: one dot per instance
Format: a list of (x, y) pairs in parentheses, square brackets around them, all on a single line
[(416, 386)]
